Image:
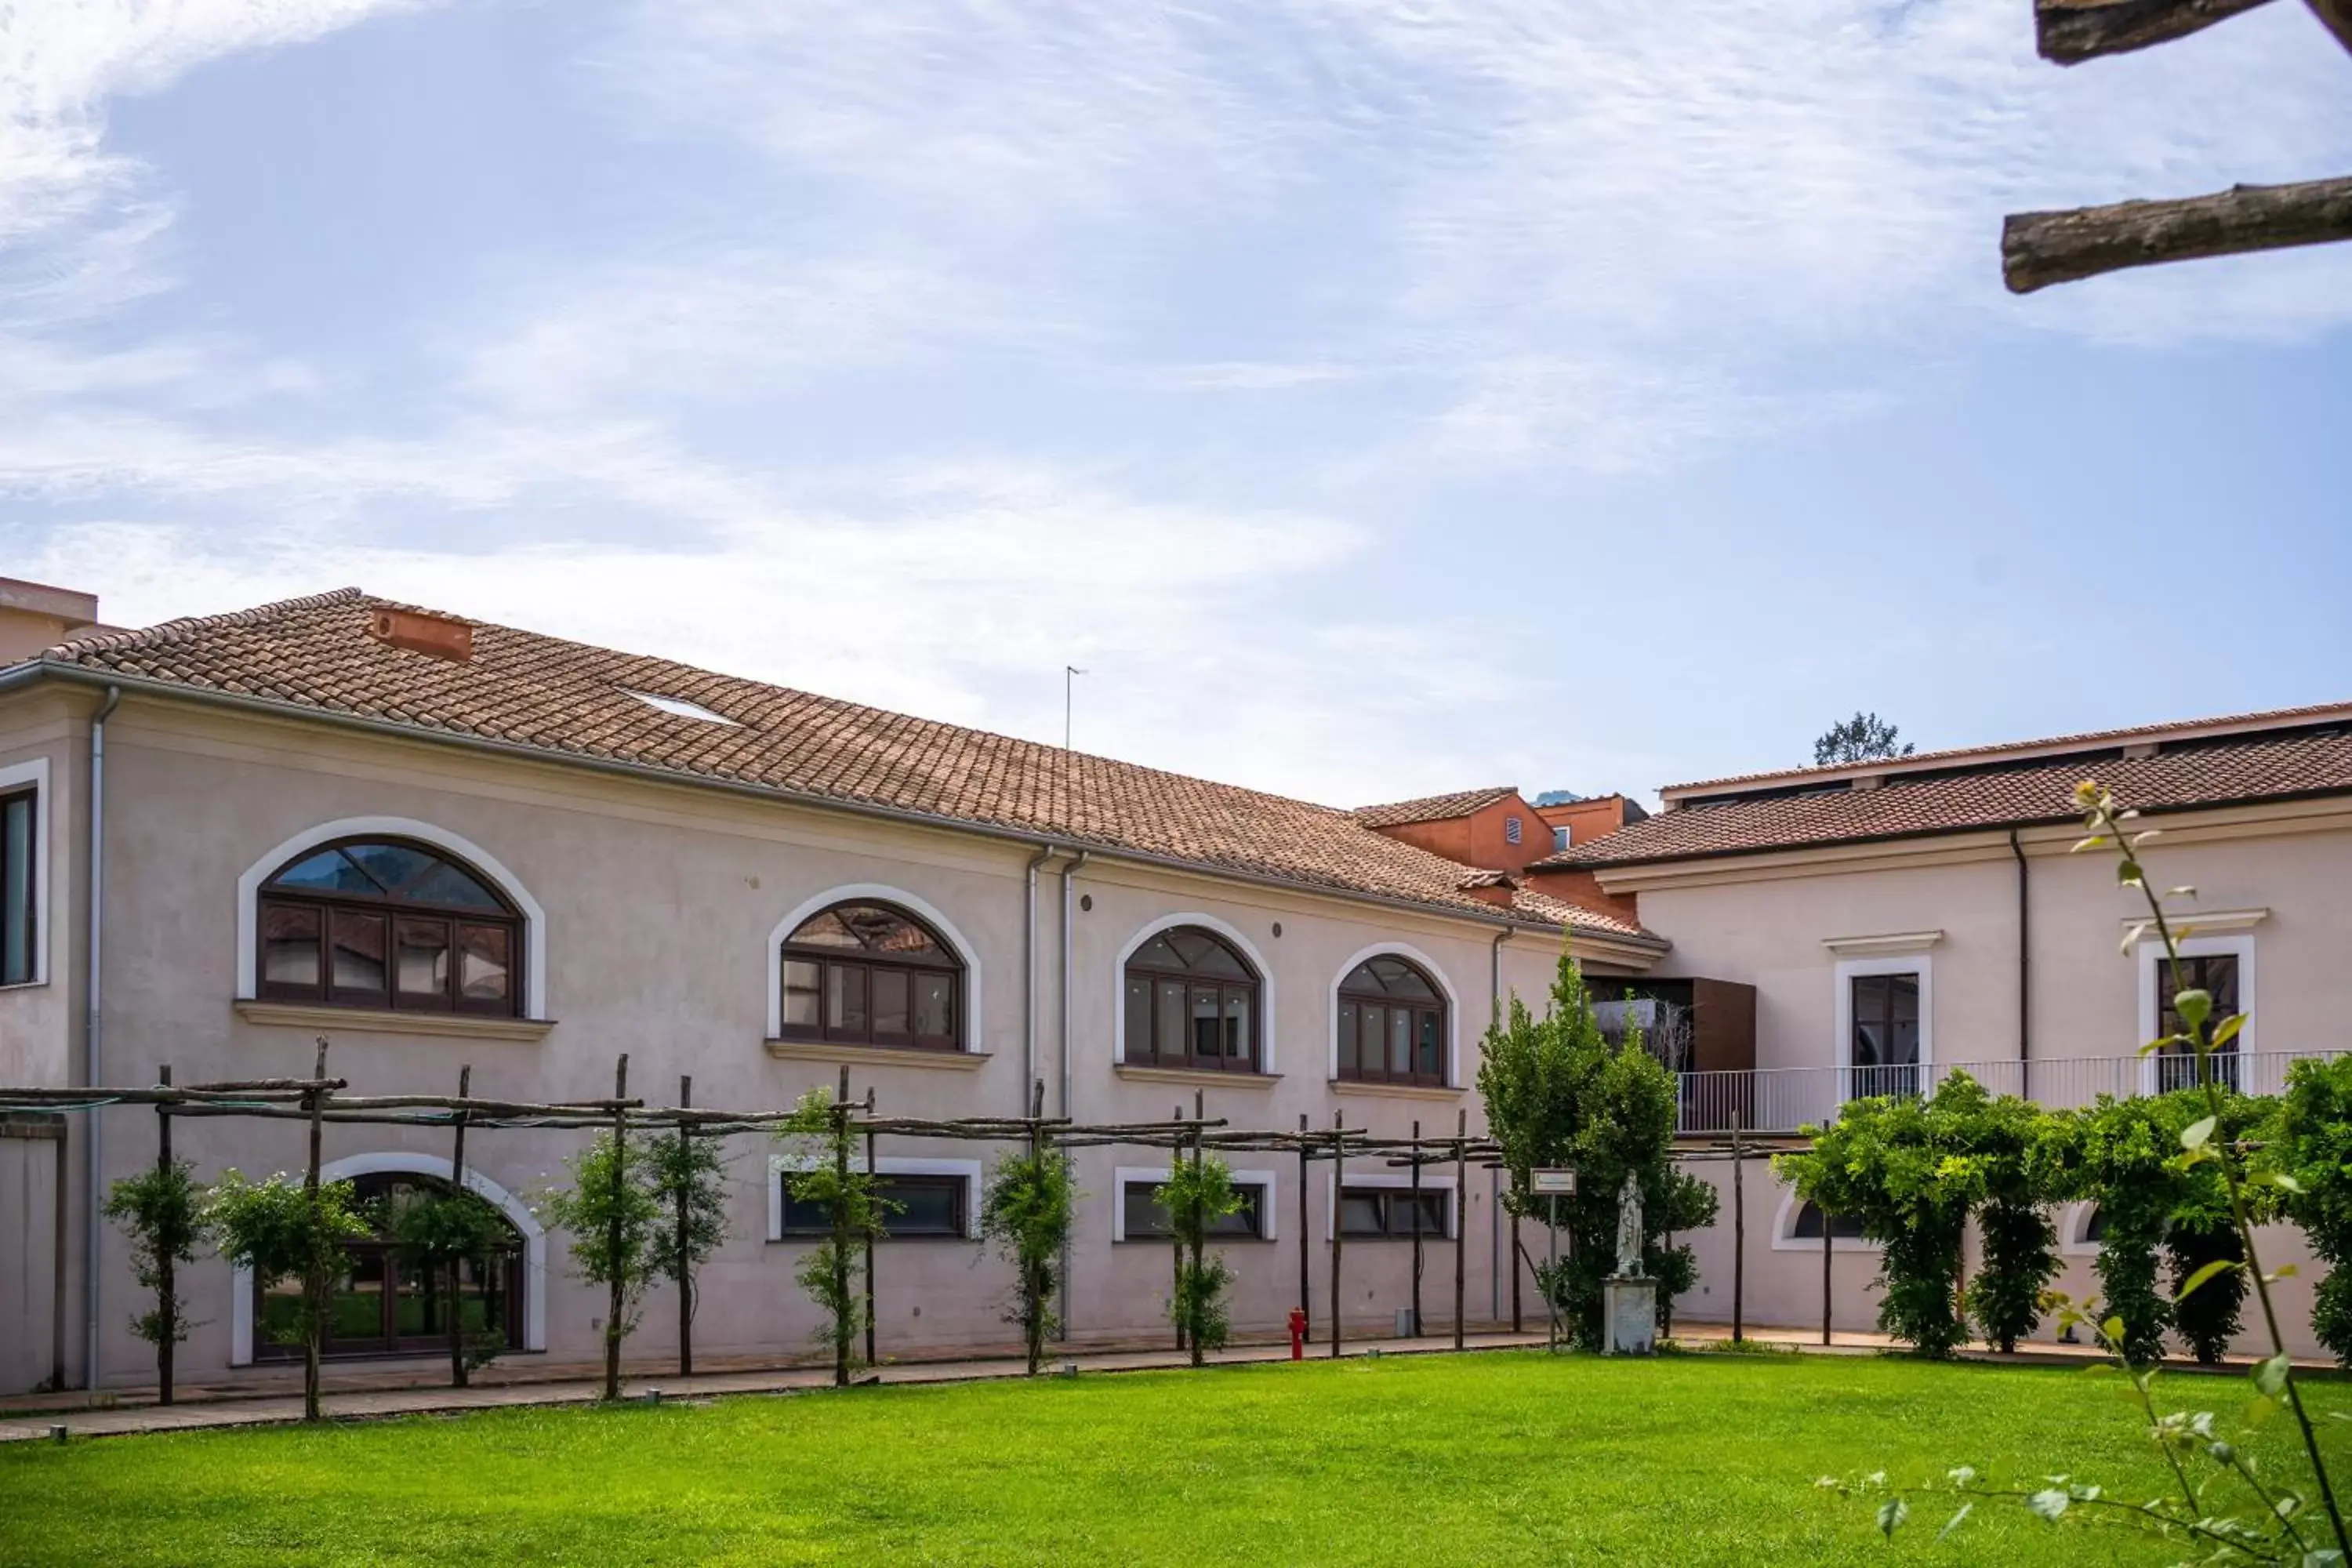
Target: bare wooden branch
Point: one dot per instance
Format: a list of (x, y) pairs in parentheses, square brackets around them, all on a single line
[(2072, 31), (2038, 250)]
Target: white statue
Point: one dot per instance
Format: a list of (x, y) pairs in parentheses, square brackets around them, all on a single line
[(1629, 1229)]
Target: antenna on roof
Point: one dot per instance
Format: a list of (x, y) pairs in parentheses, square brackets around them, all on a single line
[(1070, 673)]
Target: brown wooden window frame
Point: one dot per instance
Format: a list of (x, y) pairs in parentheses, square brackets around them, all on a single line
[(1873, 1080), (20, 891), (393, 918), (841, 970), (2176, 1066), (1150, 1050), (814, 1222), (383, 1254), (1422, 1019)]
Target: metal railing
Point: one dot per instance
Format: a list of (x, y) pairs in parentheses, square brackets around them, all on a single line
[(1781, 1100)]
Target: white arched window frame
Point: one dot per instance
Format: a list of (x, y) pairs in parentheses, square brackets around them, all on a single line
[(2075, 1238), (1786, 1239), (1269, 1062), (403, 1163), (534, 918), (968, 1021), (1437, 976)]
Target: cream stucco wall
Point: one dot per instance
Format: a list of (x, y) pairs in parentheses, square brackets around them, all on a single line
[(661, 903), (1765, 920)]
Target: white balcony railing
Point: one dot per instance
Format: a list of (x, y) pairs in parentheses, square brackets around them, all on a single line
[(1781, 1100)]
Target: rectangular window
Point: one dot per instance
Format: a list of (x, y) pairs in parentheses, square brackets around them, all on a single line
[(484, 966), (890, 1004), (1147, 1221), (927, 1206), (1885, 1045), (801, 994), (289, 951), (1560, 840), (2216, 974), (357, 970), (844, 1008), (1378, 1213), (18, 954), (421, 962)]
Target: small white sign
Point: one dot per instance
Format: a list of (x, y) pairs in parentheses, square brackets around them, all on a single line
[(1552, 1184)]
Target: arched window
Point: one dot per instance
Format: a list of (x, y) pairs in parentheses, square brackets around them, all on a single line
[(1391, 1023), (1807, 1227), (868, 974), (1191, 1001), (386, 923), (383, 1304)]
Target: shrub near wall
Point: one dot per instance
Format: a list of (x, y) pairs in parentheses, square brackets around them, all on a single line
[(2314, 1147)]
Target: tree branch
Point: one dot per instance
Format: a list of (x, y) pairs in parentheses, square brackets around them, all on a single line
[(2038, 250), (2072, 31)]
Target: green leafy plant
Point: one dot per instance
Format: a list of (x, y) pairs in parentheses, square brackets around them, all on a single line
[(442, 1232), (687, 1178), (825, 1171), (2226, 1509), (162, 1211), (2023, 1155), (2313, 1140), (611, 1213), (1026, 1211), (1198, 1192), (282, 1229), (2126, 1163), (1558, 1094)]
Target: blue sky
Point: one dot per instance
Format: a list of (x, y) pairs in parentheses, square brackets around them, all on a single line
[(1374, 399)]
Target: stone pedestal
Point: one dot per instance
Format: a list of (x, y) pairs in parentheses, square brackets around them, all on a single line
[(1629, 1316)]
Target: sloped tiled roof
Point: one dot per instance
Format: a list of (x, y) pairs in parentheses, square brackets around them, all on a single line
[(570, 699), (1431, 808), (2290, 763)]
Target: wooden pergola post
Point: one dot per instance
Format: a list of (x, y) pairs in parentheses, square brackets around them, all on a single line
[(1417, 1228), (1306, 1268), (314, 1275), (1461, 1213), (685, 1271), (1338, 1217), (165, 1269), (871, 1171), (1738, 1231), (454, 1265), (617, 1297)]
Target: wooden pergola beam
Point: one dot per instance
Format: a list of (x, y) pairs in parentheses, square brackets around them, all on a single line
[(2072, 31), (2038, 250)]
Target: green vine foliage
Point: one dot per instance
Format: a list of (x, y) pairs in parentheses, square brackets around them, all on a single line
[(2129, 1166), (1026, 1211), (162, 1211), (2314, 1142), (827, 1173), (1197, 1193), (2022, 1157), (281, 1231), (685, 1176), (608, 1208), (1558, 1094), (441, 1232)]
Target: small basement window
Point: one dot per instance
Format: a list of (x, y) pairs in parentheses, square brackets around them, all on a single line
[(913, 1206), (678, 707), (1145, 1220), (1390, 1213)]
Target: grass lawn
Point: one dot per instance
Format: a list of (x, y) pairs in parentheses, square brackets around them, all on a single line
[(1489, 1459)]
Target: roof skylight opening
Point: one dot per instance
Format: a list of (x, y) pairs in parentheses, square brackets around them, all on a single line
[(680, 708)]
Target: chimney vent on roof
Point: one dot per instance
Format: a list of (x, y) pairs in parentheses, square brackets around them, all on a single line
[(438, 636)]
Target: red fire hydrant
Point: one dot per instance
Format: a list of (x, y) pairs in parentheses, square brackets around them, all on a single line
[(1298, 1333)]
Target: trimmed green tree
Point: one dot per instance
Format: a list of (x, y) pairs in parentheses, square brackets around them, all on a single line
[(442, 1231), (162, 1212), (825, 1171), (1026, 1211), (2314, 1147), (686, 1176), (610, 1211), (2022, 1158), (1198, 1192), (280, 1230)]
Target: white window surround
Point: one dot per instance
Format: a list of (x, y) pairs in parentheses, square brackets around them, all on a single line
[(399, 1163), (534, 918), (12, 779), (969, 1015), (2073, 1231), (2151, 964), (884, 1165), (1785, 1239), (1267, 1061), (1917, 962), (1269, 1206), (1359, 1180), (1428, 966)]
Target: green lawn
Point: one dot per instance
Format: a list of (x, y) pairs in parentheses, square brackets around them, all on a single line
[(1487, 1459)]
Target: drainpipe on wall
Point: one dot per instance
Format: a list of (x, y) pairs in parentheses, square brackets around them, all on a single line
[(93, 1022), (1495, 1178), (1029, 975), (2024, 971), (1069, 927)]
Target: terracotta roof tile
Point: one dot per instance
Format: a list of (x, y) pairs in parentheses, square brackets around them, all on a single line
[(569, 698), (1431, 808), (2234, 769)]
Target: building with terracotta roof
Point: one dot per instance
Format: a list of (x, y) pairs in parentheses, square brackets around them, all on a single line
[(445, 844), (1902, 919)]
